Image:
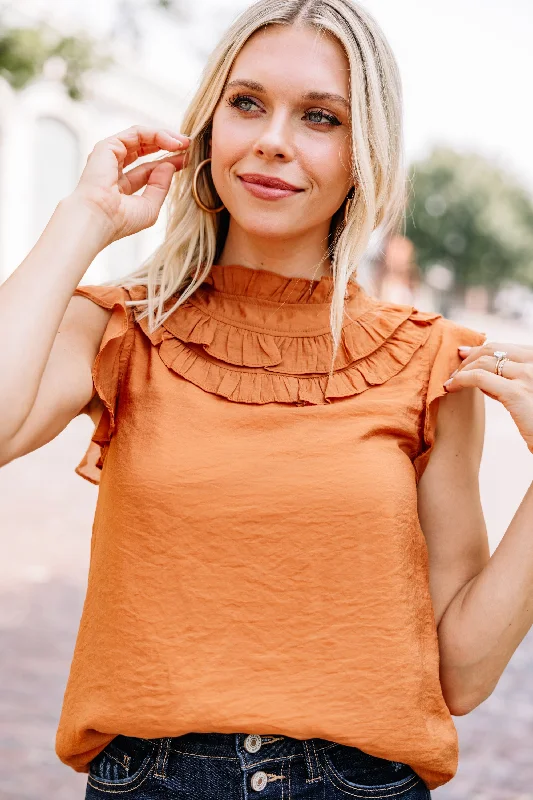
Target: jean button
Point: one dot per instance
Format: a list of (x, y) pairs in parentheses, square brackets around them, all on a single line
[(259, 780), (252, 743)]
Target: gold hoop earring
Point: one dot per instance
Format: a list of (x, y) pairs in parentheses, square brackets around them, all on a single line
[(194, 189)]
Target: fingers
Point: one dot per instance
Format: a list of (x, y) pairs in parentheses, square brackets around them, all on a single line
[(134, 179), (158, 185), (148, 149), (516, 352), (137, 141), (513, 387), (489, 383), (511, 369), (139, 136), (516, 376), (139, 153)]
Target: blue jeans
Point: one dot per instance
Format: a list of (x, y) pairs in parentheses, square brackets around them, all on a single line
[(226, 766)]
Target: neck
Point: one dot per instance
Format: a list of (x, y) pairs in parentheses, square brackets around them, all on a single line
[(302, 256)]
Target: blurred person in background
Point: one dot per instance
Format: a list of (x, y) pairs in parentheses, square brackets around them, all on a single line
[(280, 596), (398, 278)]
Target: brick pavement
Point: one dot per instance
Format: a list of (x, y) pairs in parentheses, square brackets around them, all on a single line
[(38, 628), (43, 570)]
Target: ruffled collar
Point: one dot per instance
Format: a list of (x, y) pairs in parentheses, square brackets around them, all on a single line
[(262, 284), (255, 336)]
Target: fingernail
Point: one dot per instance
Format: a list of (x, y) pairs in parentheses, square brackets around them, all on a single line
[(464, 347), (447, 382), (454, 373)]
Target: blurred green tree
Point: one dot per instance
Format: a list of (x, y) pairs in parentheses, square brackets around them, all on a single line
[(467, 213), (24, 52)]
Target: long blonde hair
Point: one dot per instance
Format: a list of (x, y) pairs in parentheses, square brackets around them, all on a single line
[(194, 238)]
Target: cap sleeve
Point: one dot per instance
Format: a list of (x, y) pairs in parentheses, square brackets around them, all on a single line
[(108, 370), (444, 359)]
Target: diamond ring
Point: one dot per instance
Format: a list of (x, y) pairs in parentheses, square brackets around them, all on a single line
[(500, 355)]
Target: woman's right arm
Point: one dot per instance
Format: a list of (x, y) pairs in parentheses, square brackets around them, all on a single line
[(48, 338)]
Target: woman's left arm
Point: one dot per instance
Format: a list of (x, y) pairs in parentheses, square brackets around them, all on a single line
[(483, 604)]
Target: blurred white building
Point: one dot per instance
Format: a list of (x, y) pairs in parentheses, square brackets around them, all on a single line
[(45, 137)]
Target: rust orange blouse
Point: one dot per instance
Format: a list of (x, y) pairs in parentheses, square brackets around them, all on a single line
[(257, 562)]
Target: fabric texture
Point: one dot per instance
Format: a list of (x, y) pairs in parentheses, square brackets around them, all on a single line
[(257, 561)]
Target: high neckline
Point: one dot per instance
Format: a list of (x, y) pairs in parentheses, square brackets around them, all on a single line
[(255, 336), (262, 284)]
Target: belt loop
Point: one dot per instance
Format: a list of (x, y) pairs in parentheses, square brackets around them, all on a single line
[(311, 761), (161, 758)]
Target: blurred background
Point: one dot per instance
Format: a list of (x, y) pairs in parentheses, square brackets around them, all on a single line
[(72, 73)]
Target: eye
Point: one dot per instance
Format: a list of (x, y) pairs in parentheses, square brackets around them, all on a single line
[(238, 100), (331, 120)]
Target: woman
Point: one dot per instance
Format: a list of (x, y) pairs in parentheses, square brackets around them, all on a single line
[(281, 598)]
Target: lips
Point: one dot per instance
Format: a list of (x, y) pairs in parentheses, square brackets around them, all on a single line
[(269, 182)]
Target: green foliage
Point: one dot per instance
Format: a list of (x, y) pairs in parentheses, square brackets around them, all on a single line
[(25, 51), (80, 57), (467, 213)]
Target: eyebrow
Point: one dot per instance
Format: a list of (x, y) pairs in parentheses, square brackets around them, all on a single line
[(312, 95)]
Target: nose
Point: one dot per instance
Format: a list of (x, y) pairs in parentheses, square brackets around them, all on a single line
[(274, 140)]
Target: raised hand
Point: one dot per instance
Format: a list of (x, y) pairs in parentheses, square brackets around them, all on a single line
[(105, 187)]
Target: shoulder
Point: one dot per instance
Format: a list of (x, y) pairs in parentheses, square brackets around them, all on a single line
[(441, 346), (96, 314), (84, 323), (107, 297), (434, 338), (101, 317), (452, 330), (460, 421)]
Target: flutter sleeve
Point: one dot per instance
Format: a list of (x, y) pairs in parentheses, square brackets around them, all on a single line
[(444, 358), (108, 370)]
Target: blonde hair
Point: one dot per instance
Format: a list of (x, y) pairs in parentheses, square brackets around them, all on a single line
[(194, 238)]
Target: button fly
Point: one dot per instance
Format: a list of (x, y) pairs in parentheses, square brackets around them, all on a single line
[(259, 780), (252, 743)]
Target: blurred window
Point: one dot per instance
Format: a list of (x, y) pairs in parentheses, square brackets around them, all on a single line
[(56, 168)]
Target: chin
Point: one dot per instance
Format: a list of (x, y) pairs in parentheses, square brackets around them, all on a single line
[(272, 230), (274, 225)]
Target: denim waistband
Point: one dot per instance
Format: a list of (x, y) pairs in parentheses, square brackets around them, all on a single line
[(249, 749), (234, 745)]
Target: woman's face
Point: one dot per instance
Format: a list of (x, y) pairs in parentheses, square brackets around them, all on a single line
[(284, 114)]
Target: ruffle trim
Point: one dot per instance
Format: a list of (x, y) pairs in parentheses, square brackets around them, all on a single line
[(221, 359), (294, 354), (248, 365), (444, 359), (107, 372)]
